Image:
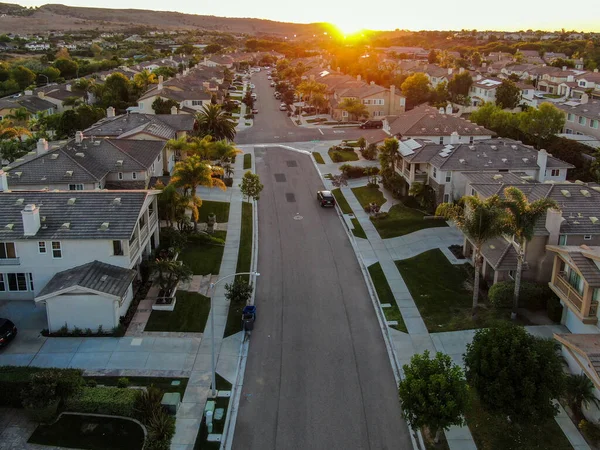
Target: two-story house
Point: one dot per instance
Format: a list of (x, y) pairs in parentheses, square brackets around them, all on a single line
[(76, 252), (582, 119), (190, 97)]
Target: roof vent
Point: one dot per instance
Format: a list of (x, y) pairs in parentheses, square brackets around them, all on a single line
[(579, 182), (96, 143), (493, 147), (103, 278), (593, 219), (104, 226), (18, 174), (565, 193), (585, 193), (9, 226), (119, 162), (80, 154), (65, 226), (580, 215), (116, 201), (54, 156), (69, 173), (462, 161), (71, 201), (596, 188), (472, 147), (525, 160), (504, 160), (19, 201), (514, 147)]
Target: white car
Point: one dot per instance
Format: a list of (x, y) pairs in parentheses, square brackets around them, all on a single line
[(269, 77), (252, 86), (283, 107), (254, 96)]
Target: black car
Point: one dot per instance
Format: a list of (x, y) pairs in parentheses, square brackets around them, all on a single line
[(325, 198), (372, 124), (8, 331)]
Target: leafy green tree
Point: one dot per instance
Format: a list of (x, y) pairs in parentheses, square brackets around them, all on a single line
[(439, 95), (212, 48), (542, 123), (362, 143), (433, 393), (476, 59), (238, 292), (169, 273), (432, 58), (508, 95), (251, 186), (480, 220), (212, 121), (144, 79), (161, 106), (23, 76), (52, 73), (515, 374), (459, 86), (68, 68), (389, 156), (416, 89), (354, 107), (117, 91)]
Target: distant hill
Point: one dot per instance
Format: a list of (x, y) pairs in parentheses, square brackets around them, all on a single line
[(17, 19)]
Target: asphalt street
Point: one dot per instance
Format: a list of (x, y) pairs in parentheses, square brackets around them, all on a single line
[(318, 375), (273, 126)]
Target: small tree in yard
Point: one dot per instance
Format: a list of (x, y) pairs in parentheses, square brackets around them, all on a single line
[(508, 95), (170, 273), (580, 392), (251, 186), (370, 152), (515, 374), (362, 143), (433, 393), (239, 291)]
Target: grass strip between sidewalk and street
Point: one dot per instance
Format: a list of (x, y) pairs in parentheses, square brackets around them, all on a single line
[(385, 294), (341, 201), (218, 425), (247, 161), (234, 317), (358, 230), (190, 314), (318, 158)]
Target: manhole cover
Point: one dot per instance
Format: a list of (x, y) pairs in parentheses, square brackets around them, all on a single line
[(280, 177), (298, 217), (292, 163), (291, 198)]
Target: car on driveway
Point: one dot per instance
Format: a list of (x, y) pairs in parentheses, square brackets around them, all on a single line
[(325, 198), (8, 331), (255, 111)]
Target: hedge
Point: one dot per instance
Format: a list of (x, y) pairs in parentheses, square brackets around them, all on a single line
[(104, 400), (357, 171), (13, 379), (532, 296)]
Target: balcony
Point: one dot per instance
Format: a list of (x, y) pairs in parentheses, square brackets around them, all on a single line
[(143, 233), (420, 177), (153, 218), (134, 247), (573, 299), (10, 261)]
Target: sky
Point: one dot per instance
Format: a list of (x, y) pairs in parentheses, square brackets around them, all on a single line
[(353, 15)]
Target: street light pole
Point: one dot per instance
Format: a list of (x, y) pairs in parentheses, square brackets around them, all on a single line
[(212, 325)]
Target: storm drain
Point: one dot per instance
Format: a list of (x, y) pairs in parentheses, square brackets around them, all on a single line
[(291, 198), (280, 177), (292, 163)]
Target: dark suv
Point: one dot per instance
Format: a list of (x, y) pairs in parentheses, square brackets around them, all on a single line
[(372, 124), (8, 331), (325, 198)]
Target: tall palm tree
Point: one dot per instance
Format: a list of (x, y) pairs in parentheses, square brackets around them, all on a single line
[(212, 121), (190, 174), (19, 116), (480, 221), (224, 151), (389, 155), (521, 218)]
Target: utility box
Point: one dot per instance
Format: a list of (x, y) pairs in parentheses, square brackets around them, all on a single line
[(209, 411), (170, 402)]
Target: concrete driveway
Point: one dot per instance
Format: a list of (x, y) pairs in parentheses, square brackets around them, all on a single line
[(30, 321), (318, 375)]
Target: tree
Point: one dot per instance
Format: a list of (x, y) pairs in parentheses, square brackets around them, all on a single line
[(579, 392), (433, 58), (521, 218), (389, 155), (508, 95), (169, 273), (362, 143), (212, 48), (310, 88), (354, 107), (52, 73), (68, 68), (459, 86), (440, 96), (416, 89), (433, 393), (238, 292), (212, 121), (480, 220), (543, 122), (23, 76), (476, 59), (62, 53), (144, 79), (96, 50), (515, 374), (161, 106), (251, 186), (190, 174), (171, 205), (116, 91)]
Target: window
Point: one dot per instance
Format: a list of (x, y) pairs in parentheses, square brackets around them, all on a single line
[(472, 191), (570, 117), (196, 102), (141, 105), (2, 283), (448, 177), (31, 281), (593, 123), (441, 139), (134, 175), (581, 83), (555, 172), (562, 239), (511, 274), (41, 247), (344, 113), (446, 198), (17, 281), (471, 139), (587, 237), (434, 172), (120, 175), (76, 187), (575, 280), (56, 249), (581, 120), (117, 248), (568, 131), (7, 250)]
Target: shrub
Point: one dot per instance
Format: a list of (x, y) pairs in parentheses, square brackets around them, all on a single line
[(202, 238), (531, 295), (379, 216), (590, 430), (147, 402), (357, 171), (161, 428), (104, 400), (336, 157), (555, 309), (91, 383), (501, 294), (123, 382)]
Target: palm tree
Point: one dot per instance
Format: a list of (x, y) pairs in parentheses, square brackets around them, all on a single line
[(144, 79), (580, 392), (212, 121), (480, 221), (521, 218), (10, 130), (389, 155), (19, 116), (190, 174), (224, 151)]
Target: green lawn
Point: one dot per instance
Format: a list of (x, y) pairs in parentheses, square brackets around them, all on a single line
[(402, 220), (367, 194), (221, 209), (190, 314), (438, 289), (203, 258), (358, 230), (491, 432), (234, 317), (160, 382), (318, 158), (341, 201), (344, 155), (90, 432), (248, 161), (384, 292)]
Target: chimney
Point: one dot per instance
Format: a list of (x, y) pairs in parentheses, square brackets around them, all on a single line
[(449, 70), (554, 219), (29, 92), (570, 78), (3, 181), (448, 108), (31, 220), (542, 162), (41, 94), (595, 70), (329, 67), (454, 138), (68, 87), (174, 110), (584, 99), (358, 77), (461, 70), (392, 99), (78, 137), (442, 110), (110, 112), (478, 77), (160, 82), (484, 65), (42, 146), (564, 68)]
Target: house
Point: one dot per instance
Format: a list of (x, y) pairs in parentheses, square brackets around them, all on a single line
[(58, 94), (484, 90), (588, 83), (437, 74), (79, 254), (218, 60), (443, 167), (190, 96), (32, 103), (378, 100), (582, 118), (37, 46), (85, 164)]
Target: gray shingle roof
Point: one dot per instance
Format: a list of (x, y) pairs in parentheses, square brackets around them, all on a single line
[(590, 109), (89, 211), (96, 276), (164, 126), (587, 267), (500, 254)]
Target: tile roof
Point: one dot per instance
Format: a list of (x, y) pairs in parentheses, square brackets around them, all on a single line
[(591, 109), (96, 276), (492, 178), (500, 254), (164, 126), (86, 215), (34, 104), (587, 267)]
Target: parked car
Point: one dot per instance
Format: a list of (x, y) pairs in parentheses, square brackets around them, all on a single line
[(372, 124), (252, 86), (269, 77), (325, 198), (272, 84), (255, 111), (283, 107), (8, 331), (277, 95), (254, 96)]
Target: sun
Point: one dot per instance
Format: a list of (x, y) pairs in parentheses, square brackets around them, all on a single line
[(349, 27)]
